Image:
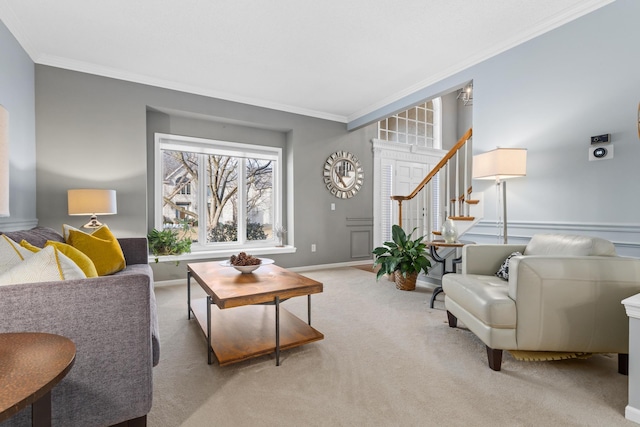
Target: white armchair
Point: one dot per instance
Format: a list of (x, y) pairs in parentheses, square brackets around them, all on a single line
[(563, 294)]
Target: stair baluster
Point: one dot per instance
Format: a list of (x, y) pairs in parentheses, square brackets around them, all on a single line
[(457, 189)]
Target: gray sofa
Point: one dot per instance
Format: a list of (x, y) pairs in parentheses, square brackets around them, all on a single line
[(113, 322)]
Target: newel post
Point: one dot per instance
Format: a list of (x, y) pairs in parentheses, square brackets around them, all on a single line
[(399, 199)]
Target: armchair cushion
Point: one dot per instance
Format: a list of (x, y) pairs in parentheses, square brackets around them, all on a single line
[(484, 297), (569, 245)]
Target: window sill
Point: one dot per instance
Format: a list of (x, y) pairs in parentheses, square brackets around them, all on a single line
[(201, 255)]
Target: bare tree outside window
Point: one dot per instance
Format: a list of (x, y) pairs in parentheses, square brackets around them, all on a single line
[(182, 188), (259, 223)]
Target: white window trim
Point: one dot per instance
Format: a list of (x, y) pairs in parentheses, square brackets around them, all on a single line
[(165, 141), (388, 153), (437, 123)]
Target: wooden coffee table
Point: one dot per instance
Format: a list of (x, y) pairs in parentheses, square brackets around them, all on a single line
[(253, 328), (31, 364)]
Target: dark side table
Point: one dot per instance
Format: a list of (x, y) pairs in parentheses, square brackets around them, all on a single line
[(31, 364), (434, 245)]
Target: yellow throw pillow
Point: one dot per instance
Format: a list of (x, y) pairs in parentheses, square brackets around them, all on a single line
[(83, 261), (65, 231), (47, 265), (101, 247), (29, 246)]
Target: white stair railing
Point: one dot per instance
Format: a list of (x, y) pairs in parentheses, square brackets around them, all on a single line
[(452, 179)]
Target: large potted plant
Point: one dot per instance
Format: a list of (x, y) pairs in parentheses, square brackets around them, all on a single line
[(403, 257)]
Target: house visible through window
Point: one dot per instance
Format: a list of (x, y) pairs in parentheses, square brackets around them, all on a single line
[(228, 194)]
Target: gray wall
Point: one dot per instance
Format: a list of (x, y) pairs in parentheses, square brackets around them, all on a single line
[(550, 95), (96, 132), (449, 121), (547, 95), (17, 96)]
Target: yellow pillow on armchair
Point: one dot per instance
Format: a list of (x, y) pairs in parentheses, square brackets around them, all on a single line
[(101, 247)]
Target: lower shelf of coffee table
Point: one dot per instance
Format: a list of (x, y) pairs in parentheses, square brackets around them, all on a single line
[(241, 333)]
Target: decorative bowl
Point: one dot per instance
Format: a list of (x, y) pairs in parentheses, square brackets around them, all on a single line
[(246, 269)]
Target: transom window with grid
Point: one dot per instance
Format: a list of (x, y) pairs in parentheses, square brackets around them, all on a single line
[(419, 125)]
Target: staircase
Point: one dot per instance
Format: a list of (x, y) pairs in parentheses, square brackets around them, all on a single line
[(448, 181)]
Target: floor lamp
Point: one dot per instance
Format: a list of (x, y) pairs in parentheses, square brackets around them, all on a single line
[(501, 164)]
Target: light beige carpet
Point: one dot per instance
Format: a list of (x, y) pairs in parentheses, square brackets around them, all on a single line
[(387, 360)]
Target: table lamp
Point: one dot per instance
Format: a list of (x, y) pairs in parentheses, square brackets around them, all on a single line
[(501, 164), (92, 202)]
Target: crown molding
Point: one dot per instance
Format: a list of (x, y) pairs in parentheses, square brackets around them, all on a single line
[(84, 67), (15, 26)]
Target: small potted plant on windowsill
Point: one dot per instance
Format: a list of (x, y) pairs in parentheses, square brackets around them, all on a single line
[(403, 257), (169, 242)]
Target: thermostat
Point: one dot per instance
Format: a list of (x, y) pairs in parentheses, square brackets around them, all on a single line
[(601, 139), (601, 152)]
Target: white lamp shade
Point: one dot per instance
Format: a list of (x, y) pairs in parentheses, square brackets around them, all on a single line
[(92, 202), (4, 162), (501, 163)]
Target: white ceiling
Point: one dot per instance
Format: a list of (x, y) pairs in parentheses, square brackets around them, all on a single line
[(333, 59)]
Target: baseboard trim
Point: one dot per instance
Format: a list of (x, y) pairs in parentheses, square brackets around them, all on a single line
[(632, 414), (328, 266), (173, 282)]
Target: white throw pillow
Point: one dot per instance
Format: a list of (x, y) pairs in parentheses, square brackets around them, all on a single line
[(11, 253), (48, 265)]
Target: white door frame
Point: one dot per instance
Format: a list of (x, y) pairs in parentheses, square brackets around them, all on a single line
[(385, 156)]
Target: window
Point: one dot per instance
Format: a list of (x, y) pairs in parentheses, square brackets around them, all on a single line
[(419, 125), (184, 185), (228, 194)]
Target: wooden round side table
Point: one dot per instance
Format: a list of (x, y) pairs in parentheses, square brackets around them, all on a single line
[(31, 364)]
